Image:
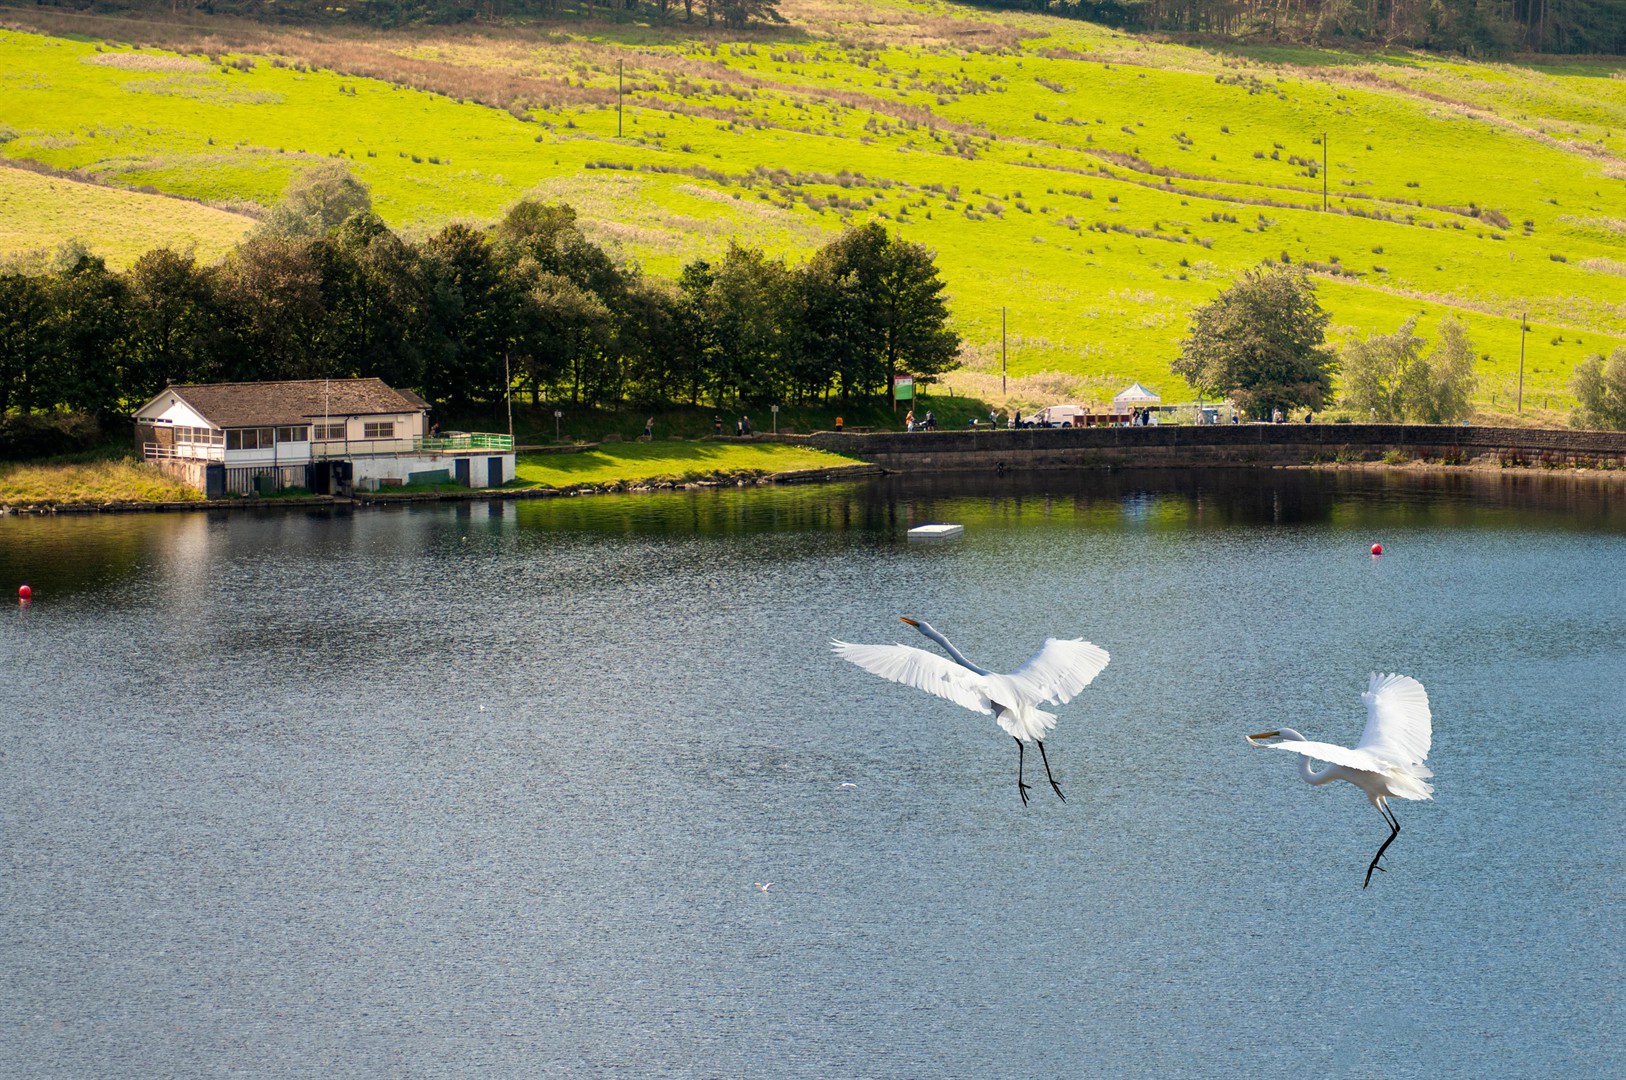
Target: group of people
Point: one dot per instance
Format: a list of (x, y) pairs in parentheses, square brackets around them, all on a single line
[(742, 425), (928, 424)]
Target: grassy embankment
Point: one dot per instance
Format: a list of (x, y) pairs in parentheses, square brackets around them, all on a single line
[(82, 484), (1097, 185), (125, 481)]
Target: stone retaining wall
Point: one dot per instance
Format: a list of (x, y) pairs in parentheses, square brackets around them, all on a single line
[(1240, 444)]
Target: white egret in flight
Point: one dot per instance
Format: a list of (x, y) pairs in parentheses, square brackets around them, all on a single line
[(1388, 761), (1054, 676)]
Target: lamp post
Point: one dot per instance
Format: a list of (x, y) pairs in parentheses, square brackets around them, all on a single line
[(557, 413), (1524, 331), (775, 410), (1002, 385)]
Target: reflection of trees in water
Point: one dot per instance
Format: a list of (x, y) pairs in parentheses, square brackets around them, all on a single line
[(174, 556), (1138, 499), (1200, 498)]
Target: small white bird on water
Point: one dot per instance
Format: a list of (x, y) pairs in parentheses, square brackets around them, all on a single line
[(1388, 761), (1054, 676), (763, 885)]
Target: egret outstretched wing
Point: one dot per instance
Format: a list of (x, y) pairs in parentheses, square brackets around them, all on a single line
[(1060, 669), (921, 670), (1337, 755), (1399, 726)]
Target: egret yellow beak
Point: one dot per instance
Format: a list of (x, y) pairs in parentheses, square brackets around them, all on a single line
[(1265, 735), (911, 622)]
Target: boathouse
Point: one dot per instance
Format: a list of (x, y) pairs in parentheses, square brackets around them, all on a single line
[(329, 435)]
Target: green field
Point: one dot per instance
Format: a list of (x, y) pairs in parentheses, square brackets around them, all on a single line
[(1096, 185), (638, 462)]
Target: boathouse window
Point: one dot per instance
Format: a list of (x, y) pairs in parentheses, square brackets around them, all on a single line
[(250, 438), (383, 429), (200, 436), (329, 431), (299, 433)]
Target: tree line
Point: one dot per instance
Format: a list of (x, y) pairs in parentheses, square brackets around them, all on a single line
[(531, 305), (1470, 26)]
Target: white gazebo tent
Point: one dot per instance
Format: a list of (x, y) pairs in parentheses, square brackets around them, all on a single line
[(1135, 396)]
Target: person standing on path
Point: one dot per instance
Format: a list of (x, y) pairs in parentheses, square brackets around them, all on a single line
[(649, 430), (716, 424)]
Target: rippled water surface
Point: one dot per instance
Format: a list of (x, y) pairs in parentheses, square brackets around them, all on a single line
[(488, 787)]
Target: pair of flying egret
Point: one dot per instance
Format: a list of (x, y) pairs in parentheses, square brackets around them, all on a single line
[(1386, 764)]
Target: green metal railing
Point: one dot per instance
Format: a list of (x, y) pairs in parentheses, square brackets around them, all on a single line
[(473, 440)]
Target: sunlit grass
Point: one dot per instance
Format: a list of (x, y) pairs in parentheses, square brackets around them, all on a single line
[(637, 462), (95, 483), (37, 213)]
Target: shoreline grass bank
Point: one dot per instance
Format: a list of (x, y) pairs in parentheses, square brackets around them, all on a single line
[(127, 484)]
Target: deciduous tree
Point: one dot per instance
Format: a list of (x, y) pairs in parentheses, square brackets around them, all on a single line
[(1261, 343), (1600, 391), (317, 199)]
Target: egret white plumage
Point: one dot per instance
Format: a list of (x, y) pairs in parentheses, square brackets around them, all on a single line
[(1388, 761), (1054, 676)]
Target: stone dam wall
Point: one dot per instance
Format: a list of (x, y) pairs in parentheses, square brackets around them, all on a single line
[(1239, 444)]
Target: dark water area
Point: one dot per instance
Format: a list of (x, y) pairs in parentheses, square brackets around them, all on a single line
[(488, 787)]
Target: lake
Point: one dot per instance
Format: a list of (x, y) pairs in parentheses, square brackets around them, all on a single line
[(459, 787)]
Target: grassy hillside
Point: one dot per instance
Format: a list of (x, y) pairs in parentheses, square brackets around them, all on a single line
[(38, 213), (1097, 185)]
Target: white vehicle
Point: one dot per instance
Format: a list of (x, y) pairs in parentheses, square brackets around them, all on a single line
[(1061, 416)]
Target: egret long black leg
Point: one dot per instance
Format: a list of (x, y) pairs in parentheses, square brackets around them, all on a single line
[(1021, 788), (1046, 759), (1394, 827)]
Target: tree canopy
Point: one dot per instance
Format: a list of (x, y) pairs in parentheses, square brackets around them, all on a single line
[(1261, 343), (1389, 377), (1600, 392)]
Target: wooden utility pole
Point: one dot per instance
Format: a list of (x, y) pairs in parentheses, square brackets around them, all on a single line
[(1323, 172), (508, 392), (618, 84), (1002, 350), (1524, 331)]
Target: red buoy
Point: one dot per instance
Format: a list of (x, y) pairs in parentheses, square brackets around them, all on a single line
[(25, 594), (1377, 549)]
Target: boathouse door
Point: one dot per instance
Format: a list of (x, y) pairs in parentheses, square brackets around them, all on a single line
[(494, 472), (462, 467)]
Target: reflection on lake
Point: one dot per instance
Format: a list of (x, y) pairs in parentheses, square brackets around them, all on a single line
[(467, 786)]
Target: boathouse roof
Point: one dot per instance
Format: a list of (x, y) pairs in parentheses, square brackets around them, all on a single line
[(293, 401)]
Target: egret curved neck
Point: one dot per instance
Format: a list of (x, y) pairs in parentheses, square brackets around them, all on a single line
[(956, 654), (1311, 776)]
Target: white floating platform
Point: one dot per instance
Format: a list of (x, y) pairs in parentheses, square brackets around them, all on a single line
[(935, 532)]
